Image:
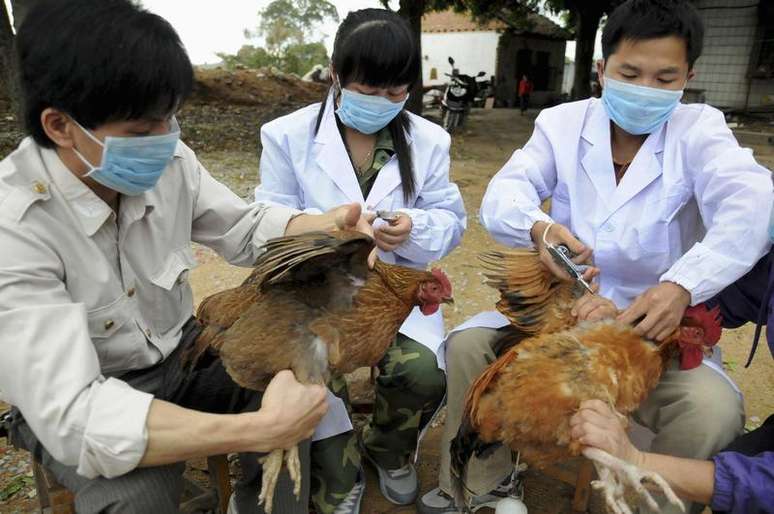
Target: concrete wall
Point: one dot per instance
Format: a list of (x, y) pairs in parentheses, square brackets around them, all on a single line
[(507, 80), (722, 70), (472, 52)]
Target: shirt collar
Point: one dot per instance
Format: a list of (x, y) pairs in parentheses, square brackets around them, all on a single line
[(384, 141), (91, 210)]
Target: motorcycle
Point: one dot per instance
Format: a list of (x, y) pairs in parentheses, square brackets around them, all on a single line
[(457, 98), (484, 90)]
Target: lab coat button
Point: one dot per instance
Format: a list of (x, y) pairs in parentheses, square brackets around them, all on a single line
[(607, 227), (147, 333), (109, 324), (130, 292)]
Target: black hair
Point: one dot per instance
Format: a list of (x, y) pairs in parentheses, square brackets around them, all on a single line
[(649, 19), (99, 61), (376, 47)]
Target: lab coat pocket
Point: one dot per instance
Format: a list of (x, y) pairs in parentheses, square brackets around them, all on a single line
[(172, 293), (654, 229)]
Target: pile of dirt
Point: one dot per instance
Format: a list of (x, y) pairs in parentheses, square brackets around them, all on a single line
[(266, 86)]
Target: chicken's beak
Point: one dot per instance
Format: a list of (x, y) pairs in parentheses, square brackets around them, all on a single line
[(449, 300)]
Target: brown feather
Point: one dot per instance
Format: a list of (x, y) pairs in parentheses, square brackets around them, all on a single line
[(310, 297), (531, 297)]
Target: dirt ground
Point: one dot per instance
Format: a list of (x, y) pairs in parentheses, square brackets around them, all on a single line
[(225, 138)]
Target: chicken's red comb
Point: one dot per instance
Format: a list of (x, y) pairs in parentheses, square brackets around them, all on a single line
[(708, 319), (442, 279)]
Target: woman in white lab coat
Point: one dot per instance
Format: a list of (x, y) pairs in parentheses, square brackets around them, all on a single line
[(360, 145)]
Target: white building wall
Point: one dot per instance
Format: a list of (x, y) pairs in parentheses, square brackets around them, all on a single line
[(730, 29), (472, 52), (569, 75)]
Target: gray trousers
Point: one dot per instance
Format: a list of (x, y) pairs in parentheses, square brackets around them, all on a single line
[(694, 414), (158, 489)]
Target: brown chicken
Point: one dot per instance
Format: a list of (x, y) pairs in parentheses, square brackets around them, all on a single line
[(551, 364), (311, 305)]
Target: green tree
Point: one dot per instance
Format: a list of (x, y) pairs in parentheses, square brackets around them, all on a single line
[(249, 56), (300, 58), (286, 27), (285, 23)]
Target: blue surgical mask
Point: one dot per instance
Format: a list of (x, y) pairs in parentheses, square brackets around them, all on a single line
[(132, 165), (367, 114), (638, 109)]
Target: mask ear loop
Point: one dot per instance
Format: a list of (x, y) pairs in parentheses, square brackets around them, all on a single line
[(80, 156)]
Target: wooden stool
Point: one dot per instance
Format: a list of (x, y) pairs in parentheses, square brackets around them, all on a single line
[(580, 479), (54, 498), (220, 480), (52, 495)]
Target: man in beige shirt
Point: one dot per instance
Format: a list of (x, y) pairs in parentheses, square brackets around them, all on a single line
[(98, 208)]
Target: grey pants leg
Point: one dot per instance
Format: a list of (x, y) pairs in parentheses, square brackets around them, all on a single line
[(247, 488), (157, 489), (468, 353), (694, 414)]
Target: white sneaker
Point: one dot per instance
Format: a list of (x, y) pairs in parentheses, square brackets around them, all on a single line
[(351, 504), (438, 502)]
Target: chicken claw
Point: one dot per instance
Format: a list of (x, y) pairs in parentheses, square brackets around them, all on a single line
[(272, 465), (294, 469), (617, 478)]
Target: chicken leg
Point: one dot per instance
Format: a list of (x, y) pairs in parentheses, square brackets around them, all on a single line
[(293, 464), (272, 467), (618, 478)]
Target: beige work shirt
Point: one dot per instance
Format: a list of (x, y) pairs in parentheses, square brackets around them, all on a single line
[(86, 295)]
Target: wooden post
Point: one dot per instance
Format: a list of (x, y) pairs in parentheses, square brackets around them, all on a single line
[(217, 465)]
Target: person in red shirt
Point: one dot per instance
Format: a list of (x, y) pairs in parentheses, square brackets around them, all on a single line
[(525, 88)]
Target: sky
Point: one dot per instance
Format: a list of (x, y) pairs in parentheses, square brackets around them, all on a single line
[(210, 27), (207, 28)]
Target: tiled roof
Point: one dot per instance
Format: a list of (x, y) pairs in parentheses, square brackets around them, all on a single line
[(451, 21)]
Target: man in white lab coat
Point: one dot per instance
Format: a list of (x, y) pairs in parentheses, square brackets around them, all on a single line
[(659, 196)]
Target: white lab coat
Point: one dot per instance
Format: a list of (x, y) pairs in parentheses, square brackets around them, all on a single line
[(692, 208), (314, 173)]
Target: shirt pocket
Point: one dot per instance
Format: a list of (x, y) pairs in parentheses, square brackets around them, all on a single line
[(104, 323), (171, 294)]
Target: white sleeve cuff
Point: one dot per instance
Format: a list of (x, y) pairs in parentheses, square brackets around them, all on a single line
[(704, 272), (274, 221), (515, 230), (116, 435)]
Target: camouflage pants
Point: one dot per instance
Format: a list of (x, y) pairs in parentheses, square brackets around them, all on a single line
[(409, 389)]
